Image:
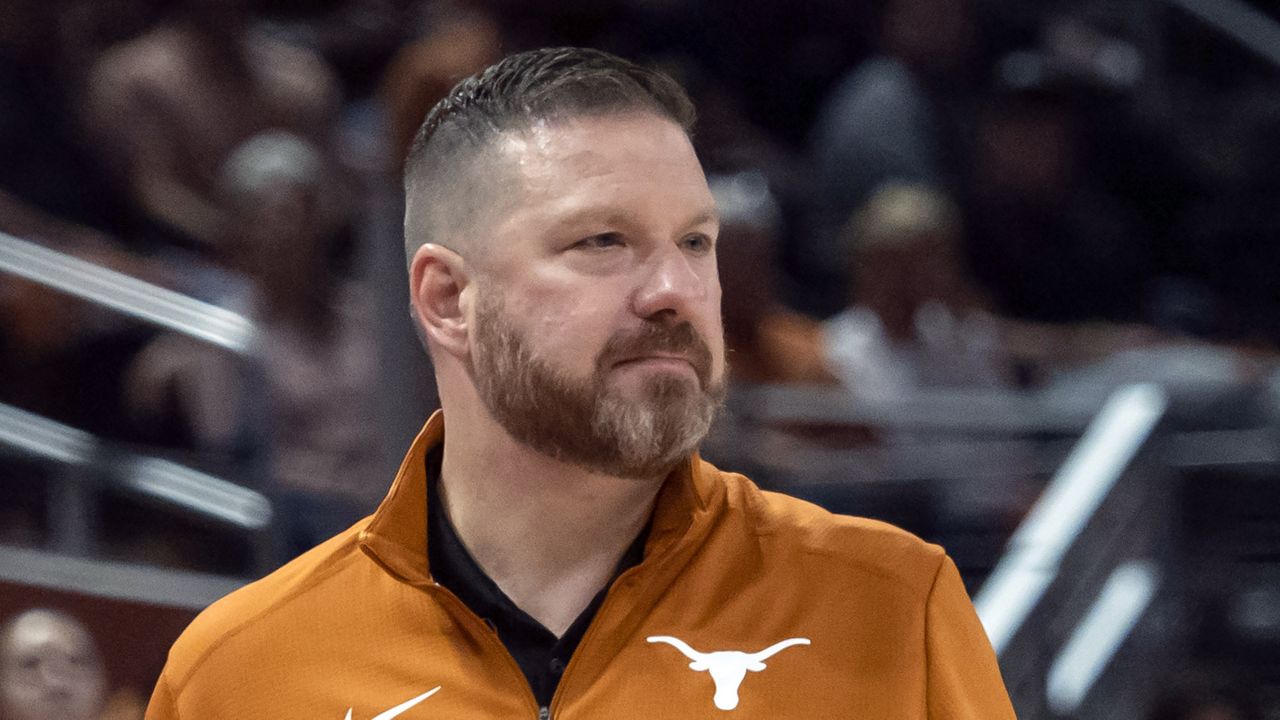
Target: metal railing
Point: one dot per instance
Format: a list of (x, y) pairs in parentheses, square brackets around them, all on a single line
[(1078, 603), (88, 464), (986, 411), (1252, 28), (1033, 559), (1081, 570), (193, 491), (126, 294), (142, 584)]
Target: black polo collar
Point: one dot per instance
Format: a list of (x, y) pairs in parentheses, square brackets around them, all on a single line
[(539, 653)]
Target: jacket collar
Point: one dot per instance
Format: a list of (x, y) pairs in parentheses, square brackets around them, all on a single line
[(396, 535)]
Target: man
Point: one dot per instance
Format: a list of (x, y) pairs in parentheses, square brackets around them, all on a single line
[(915, 321), (165, 111), (552, 545), (50, 668)]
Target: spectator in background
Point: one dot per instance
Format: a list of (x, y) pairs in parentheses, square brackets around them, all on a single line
[(305, 396), (458, 42), (766, 342), (168, 108), (50, 188), (50, 669), (916, 320), (59, 357), (894, 118), (62, 357), (317, 353), (1050, 240)]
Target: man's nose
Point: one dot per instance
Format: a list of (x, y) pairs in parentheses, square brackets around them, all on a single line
[(671, 285)]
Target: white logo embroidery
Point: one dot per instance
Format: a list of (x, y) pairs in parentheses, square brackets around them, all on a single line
[(393, 712), (727, 667)]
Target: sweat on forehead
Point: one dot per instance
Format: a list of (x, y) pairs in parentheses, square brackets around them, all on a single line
[(453, 171)]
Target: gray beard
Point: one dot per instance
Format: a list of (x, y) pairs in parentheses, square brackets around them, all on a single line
[(581, 421)]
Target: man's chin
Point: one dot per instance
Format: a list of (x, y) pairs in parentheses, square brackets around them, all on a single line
[(640, 377), (652, 387)]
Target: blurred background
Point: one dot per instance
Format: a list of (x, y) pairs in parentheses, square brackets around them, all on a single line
[(1001, 272)]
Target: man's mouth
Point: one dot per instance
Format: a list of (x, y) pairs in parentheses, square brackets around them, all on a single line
[(660, 349), (670, 362), (656, 357)]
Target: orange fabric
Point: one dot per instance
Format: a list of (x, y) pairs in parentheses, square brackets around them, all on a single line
[(791, 345), (785, 347), (357, 623)]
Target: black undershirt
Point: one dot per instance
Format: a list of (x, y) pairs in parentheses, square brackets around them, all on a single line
[(539, 653)]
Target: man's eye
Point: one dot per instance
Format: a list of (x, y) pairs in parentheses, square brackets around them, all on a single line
[(600, 242), (698, 243)]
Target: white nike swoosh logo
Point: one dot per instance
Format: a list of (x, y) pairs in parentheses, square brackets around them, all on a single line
[(393, 712)]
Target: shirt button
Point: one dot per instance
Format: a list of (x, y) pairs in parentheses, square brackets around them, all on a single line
[(557, 665)]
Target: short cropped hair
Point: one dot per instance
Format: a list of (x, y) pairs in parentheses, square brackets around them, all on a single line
[(547, 85)]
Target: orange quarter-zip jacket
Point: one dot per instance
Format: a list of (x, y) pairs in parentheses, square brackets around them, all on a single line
[(748, 604)]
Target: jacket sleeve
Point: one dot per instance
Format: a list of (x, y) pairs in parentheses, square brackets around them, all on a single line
[(963, 678), (163, 705)]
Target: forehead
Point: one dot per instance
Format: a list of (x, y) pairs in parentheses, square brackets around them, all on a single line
[(570, 164), (42, 630)]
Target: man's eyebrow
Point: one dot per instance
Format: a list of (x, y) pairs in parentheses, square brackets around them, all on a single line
[(706, 216), (617, 215)]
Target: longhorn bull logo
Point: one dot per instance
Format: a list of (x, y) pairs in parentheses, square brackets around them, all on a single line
[(727, 667)]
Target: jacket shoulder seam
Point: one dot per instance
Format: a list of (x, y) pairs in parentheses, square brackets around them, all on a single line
[(879, 572), (762, 527), (171, 694), (323, 575), (924, 638)]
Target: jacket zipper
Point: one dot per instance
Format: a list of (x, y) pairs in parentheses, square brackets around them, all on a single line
[(543, 712)]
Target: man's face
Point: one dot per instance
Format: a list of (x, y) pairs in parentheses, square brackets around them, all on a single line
[(597, 310), (49, 669)]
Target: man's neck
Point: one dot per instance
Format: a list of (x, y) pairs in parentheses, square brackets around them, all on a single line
[(548, 533)]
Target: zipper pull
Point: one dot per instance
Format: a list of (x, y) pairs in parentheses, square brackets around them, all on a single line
[(544, 713)]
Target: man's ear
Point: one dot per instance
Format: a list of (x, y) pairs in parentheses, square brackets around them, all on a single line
[(438, 278)]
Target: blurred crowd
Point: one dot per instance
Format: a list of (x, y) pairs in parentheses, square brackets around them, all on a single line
[(918, 195)]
